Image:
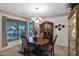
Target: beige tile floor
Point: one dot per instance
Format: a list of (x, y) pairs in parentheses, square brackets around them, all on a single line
[(59, 51)]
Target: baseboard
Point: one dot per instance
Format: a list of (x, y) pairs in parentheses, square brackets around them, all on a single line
[(2, 49), (61, 46)]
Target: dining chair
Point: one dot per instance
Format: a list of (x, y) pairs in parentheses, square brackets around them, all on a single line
[(28, 48), (25, 46), (49, 47)]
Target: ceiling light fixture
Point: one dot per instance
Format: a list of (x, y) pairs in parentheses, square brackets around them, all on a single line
[(36, 7), (36, 19)]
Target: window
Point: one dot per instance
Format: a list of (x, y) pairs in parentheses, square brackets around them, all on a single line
[(30, 29), (11, 30), (21, 28), (16, 28)]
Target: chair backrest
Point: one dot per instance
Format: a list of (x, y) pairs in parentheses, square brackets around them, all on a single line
[(24, 42), (47, 29), (55, 39)]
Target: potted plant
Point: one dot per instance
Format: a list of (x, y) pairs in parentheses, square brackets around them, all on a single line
[(72, 5)]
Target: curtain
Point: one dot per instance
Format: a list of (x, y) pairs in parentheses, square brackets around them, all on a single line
[(4, 40)]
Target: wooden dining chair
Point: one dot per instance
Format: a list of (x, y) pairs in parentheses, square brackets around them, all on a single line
[(25, 46), (28, 48), (50, 47)]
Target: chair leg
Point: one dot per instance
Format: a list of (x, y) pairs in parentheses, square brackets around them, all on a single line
[(24, 51), (53, 51)]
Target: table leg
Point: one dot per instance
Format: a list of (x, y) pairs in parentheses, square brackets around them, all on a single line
[(39, 51)]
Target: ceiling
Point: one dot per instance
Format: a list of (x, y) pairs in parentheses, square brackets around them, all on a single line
[(34, 9)]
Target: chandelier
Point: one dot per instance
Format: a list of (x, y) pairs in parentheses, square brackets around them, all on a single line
[(37, 19)]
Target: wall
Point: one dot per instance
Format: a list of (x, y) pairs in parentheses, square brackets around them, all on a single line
[(0, 31), (63, 34)]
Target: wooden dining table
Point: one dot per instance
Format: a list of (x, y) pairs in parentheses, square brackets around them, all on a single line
[(39, 42)]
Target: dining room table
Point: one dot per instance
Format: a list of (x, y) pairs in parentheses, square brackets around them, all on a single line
[(39, 43)]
